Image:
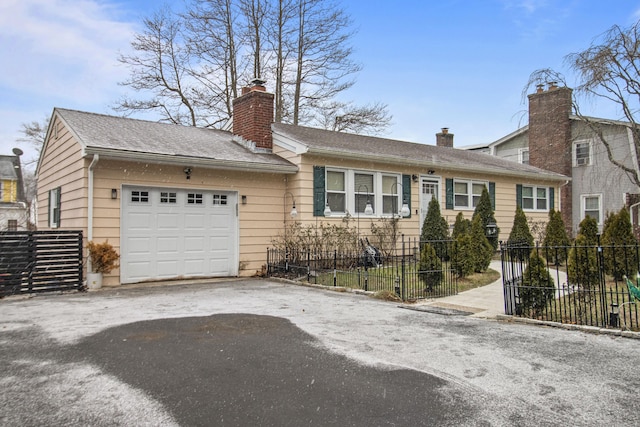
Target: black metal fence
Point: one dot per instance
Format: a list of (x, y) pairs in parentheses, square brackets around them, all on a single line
[(367, 269), (582, 285), (40, 261)]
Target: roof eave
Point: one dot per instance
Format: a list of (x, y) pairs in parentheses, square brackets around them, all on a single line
[(189, 161)]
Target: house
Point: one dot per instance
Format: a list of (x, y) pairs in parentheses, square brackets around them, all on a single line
[(559, 141), (181, 201), (14, 214)]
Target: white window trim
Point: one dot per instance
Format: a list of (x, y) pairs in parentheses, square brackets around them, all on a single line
[(377, 192), (469, 183), (535, 198), (574, 153), (583, 200), (54, 202), (521, 152)]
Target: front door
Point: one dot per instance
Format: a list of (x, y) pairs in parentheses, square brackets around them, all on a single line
[(429, 188)]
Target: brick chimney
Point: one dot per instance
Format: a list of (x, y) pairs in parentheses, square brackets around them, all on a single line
[(550, 137), (253, 114), (444, 138)]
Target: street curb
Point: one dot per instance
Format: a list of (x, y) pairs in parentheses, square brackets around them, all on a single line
[(569, 327)]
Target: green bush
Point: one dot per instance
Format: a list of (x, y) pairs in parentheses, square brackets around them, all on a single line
[(462, 261), (617, 240), (582, 265), (520, 233), (435, 229), (485, 212), (556, 239), (538, 287), (430, 268), (482, 251), (461, 227)]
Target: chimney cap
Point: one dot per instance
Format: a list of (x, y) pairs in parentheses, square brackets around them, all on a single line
[(445, 130), (257, 82)]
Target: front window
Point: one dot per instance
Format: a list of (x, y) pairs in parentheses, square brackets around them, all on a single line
[(535, 198), (364, 192), (336, 191), (389, 194), (591, 206), (466, 194)]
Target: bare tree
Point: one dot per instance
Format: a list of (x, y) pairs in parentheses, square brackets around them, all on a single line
[(608, 70), (194, 63), (161, 65)]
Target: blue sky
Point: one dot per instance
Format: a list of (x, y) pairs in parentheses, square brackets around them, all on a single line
[(449, 63)]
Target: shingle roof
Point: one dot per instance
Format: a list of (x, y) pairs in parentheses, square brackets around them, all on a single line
[(137, 139), (343, 144), (7, 168)]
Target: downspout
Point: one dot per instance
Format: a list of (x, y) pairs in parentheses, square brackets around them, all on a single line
[(96, 157)]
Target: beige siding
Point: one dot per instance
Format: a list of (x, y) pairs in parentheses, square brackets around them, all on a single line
[(301, 186), (260, 219)]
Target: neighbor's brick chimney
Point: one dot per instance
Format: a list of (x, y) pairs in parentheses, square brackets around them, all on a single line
[(253, 114), (444, 138), (550, 138)]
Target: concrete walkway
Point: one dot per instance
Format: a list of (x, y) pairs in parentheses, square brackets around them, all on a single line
[(485, 302)]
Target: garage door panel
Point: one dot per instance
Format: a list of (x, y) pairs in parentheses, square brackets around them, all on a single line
[(165, 236)]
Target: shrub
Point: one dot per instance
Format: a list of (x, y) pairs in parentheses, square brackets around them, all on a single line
[(434, 227), (430, 267), (481, 249), (485, 212), (556, 239), (538, 287), (385, 235), (617, 237), (582, 265), (461, 227), (103, 257), (520, 232)]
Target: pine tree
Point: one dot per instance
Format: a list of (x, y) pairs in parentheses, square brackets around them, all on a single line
[(485, 211), (582, 265), (520, 232), (538, 286), (461, 227), (556, 239), (434, 227), (620, 254), (481, 249), (430, 268)]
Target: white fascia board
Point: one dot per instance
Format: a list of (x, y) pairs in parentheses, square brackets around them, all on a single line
[(289, 144), (189, 161)]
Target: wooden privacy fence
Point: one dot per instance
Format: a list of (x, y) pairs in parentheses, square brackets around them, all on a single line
[(40, 261)]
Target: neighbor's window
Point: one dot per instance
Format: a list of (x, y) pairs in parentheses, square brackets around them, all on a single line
[(535, 198), (336, 191), (12, 225), (582, 153), (466, 194), (523, 156), (364, 191), (591, 206)]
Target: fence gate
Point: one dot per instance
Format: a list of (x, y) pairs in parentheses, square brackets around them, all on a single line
[(40, 261)]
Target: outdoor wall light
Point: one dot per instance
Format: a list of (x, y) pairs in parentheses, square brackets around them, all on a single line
[(327, 209), (114, 193), (187, 172), (414, 178), (244, 199), (492, 229), (294, 212), (404, 211)]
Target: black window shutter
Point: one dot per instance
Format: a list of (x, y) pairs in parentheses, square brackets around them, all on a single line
[(318, 190), (519, 195), (58, 204), (551, 198), (449, 193), (406, 191), (492, 195)]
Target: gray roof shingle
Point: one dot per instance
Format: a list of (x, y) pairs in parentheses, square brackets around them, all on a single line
[(342, 144), (137, 138)]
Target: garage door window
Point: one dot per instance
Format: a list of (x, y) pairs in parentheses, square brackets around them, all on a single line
[(194, 198), (219, 199), (140, 196), (167, 197)]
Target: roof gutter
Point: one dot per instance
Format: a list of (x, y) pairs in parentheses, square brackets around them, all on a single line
[(190, 161)]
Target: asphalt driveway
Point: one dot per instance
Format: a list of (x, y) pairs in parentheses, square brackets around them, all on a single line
[(256, 352)]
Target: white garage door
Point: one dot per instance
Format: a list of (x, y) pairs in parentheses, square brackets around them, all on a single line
[(174, 233)]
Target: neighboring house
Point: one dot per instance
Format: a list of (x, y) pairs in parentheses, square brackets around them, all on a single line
[(182, 201), (14, 214), (559, 141)]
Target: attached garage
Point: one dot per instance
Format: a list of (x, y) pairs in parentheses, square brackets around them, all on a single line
[(169, 233)]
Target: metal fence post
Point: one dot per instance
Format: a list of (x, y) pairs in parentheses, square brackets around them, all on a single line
[(403, 291), (335, 267)]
